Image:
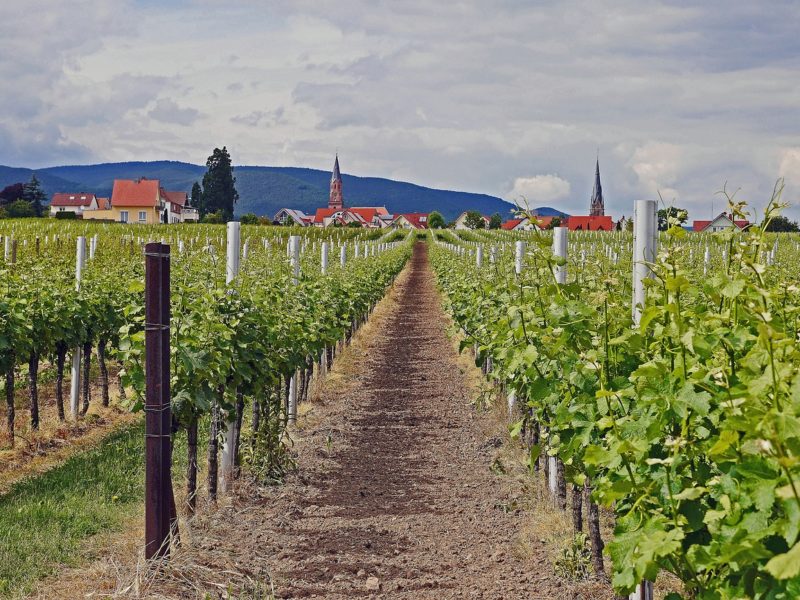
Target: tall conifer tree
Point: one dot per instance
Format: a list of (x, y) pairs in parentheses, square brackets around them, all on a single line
[(219, 186)]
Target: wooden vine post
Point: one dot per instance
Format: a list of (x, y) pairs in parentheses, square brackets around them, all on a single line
[(158, 418), (231, 272), (645, 243), (75, 375)]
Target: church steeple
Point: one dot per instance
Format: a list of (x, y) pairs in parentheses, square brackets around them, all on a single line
[(336, 199), (597, 206)]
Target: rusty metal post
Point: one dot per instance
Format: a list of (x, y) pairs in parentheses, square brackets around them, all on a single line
[(158, 480)]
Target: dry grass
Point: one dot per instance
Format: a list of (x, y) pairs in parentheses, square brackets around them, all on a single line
[(36, 452), (56, 442)]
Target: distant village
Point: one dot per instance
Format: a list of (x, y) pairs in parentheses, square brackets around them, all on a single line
[(145, 201)]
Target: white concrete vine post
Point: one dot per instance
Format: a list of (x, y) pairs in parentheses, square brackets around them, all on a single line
[(560, 251), (75, 381), (294, 256), (231, 272), (645, 247)]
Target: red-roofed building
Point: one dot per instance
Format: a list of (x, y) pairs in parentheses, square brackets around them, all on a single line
[(143, 201), (523, 224), (411, 221), (589, 223), (77, 203), (177, 207), (722, 222)]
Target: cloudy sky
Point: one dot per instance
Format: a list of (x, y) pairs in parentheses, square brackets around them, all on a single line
[(511, 97)]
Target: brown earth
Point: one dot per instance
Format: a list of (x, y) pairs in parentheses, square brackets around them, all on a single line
[(404, 490)]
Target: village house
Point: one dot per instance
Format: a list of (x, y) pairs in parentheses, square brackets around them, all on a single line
[(722, 222), (178, 209), (291, 216), (76, 203), (411, 221), (145, 202), (523, 224)]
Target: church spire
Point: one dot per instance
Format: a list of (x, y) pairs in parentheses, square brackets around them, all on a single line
[(336, 199), (597, 204), (336, 175)]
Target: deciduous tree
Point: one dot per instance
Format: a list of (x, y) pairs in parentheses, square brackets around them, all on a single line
[(782, 223), (474, 220), (671, 215), (435, 220)]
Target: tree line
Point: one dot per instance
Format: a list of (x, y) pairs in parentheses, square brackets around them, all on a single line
[(20, 200)]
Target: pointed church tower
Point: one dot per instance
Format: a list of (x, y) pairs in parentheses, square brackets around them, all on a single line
[(597, 207), (336, 200)]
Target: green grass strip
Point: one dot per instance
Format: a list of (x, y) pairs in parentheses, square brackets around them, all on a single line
[(45, 519)]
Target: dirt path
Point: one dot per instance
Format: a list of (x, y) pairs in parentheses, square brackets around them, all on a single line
[(400, 491), (407, 496)]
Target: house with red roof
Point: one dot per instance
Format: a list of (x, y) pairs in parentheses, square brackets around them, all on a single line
[(589, 223), (411, 221), (722, 222), (73, 202), (144, 201), (177, 208), (523, 224)]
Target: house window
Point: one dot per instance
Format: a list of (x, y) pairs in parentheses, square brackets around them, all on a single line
[(423, 219), (123, 216), (142, 216)]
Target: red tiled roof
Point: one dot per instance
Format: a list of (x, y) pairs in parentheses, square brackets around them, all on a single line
[(700, 225), (599, 223), (418, 220), (103, 203), (324, 213), (179, 198), (544, 222), (79, 199), (367, 213), (144, 193), (510, 224)]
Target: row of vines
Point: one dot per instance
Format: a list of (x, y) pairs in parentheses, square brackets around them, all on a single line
[(235, 347), (686, 428)]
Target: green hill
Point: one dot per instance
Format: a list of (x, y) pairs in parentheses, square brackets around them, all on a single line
[(265, 190)]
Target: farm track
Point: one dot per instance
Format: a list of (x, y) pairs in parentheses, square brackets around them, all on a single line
[(395, 496)]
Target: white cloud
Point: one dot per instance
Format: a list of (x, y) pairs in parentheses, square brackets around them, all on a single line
[(656, 165), (538, 190), (790, 166), (168, 111), (679, 97)]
